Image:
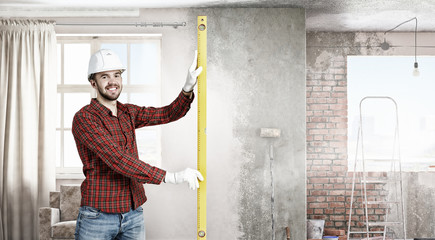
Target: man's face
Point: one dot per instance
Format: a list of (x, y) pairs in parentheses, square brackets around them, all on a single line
[(108, 84)]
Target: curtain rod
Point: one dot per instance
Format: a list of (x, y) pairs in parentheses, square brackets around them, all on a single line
[(136, 24)]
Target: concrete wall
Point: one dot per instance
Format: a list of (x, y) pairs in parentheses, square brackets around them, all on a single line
[(256, 79), (420, 204), (329, 183)]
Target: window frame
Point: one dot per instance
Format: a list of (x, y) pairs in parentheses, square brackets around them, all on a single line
[(95, 41)]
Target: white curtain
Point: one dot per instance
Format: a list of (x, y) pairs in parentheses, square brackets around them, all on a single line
[(27, 124)]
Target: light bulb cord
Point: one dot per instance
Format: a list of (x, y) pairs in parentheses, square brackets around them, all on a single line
[(415, 35), (415, 40)]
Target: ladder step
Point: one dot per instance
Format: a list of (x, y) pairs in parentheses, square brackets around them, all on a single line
[(382, 159), (383, 202), (355, 232), (380, 181), (384, 223)]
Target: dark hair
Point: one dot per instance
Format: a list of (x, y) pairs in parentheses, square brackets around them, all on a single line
[(91, 77)]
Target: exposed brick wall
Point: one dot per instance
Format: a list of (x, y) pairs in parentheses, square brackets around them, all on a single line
[(329, 185), (327, 143)]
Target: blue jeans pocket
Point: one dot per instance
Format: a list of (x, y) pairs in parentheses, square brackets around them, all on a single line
[(139, 209), (89, 212)]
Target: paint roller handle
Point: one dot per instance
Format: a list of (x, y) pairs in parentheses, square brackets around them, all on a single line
[(192, 75), (287, 231)]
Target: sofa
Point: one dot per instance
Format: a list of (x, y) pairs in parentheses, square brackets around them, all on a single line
[(59, 220)]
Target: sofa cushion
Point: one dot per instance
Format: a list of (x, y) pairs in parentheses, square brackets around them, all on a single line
[(70, 197), (54, 199), (64, 229)]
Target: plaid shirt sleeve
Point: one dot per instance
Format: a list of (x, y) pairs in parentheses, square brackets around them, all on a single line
[(148, 116)]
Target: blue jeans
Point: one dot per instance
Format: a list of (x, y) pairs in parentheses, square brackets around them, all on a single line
[(93, 224)]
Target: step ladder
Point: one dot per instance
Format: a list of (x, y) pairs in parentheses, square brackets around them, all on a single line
[(394, 222)]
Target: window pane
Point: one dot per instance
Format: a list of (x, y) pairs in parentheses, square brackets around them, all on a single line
[(121, 50), (73, 103), (58, 154), (71, 156), (148, 146), (144, 99), (391, 76), (145, 63), (59, 64), (76, 59)]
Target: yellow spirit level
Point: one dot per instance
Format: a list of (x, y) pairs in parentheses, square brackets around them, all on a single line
[(202, 121)]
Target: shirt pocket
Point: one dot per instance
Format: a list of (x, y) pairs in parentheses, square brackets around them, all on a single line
[(129, 134), (120, 138), (114, 127)]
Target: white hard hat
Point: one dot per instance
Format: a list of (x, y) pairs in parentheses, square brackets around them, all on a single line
[(104, 60)]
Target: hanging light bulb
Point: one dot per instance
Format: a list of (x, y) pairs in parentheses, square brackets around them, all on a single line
[(385, 46), (416, 72)]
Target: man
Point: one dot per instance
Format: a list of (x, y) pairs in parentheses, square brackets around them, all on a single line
[(104, 131)]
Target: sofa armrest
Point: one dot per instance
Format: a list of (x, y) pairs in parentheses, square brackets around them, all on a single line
[(47, 217)]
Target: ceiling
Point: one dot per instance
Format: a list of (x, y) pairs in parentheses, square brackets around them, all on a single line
[(321, 15)]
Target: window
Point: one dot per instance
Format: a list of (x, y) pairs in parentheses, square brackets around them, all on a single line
[(392, 76), (141, 85)]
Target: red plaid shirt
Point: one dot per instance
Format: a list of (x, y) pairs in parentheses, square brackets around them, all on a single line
[(107, 146)]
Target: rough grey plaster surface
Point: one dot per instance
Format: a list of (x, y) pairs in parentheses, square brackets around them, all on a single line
[(419, 189), (419, 192), (260, 52), (255, 79)]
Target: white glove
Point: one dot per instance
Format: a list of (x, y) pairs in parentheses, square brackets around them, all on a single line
[(189, 175), (192, 74)]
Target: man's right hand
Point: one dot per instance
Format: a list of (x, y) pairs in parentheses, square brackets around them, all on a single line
[(188, 175), (192, 75)]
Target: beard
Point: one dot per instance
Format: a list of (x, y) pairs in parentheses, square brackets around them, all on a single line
[(106, 95)]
